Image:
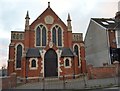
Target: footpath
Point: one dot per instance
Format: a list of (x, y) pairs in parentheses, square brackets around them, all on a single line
[(73, 84)]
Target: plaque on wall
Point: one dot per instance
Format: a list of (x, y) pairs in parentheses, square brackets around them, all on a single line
[(50, 44), (49, 19)]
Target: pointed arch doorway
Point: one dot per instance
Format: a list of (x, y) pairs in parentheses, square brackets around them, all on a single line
[(50, 63)]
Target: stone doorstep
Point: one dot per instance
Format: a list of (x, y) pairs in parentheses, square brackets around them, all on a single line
[(52, 79)]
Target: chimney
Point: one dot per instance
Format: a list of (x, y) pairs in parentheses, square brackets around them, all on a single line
[(117, 17)]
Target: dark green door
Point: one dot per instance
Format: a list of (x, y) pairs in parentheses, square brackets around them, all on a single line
[(50, 63)]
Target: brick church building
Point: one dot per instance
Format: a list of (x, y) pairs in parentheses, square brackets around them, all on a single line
[(46, 48)]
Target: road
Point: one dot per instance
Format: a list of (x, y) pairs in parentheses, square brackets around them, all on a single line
[(107, 89), (71, 84)]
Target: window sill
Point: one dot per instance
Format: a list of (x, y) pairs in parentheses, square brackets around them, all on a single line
[(33, 68), (67, 66), (17, 68)]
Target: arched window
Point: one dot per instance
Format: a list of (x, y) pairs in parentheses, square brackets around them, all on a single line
[(33, 63), (76, 50), (57, 35), (13, 36), (41, 36), (18, 56), (38, 38), (67, 62), (21, 36), (17, 37), (54, 35)]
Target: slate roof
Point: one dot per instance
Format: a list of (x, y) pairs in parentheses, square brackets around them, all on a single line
[(33, 52), (108, 23), (67, 52)]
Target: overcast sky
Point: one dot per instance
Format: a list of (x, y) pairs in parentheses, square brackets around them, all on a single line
[(12, 15)]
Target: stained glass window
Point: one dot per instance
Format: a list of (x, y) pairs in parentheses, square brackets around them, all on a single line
[(54, 35), (38, 38), (33, 63), (43, 36), (67, 62), (18, 56), (57, 35), (76, 50)]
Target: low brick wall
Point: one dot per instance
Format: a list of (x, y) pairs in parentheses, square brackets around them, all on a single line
[(103, 72), (9, 81)]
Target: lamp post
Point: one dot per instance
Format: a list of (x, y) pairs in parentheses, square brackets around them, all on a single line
[(26, 69), (74, 59), (84, 78), (64, 77), (63, 82), (43, 83), (74, 70)]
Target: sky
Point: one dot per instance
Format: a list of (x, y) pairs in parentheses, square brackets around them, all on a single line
[(12, 16)]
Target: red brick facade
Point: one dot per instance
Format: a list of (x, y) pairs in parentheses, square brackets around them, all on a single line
[(9, 81), (112, 39), (27, 39), (107, 71)]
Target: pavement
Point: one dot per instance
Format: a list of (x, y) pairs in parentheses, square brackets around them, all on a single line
[(75, 84), (106, 89)]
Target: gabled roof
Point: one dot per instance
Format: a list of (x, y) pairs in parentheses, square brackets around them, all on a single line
[(67, 52), (49, 12), (108, 23), (33, 52)]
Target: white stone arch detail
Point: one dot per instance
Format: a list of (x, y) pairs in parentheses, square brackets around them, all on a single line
[(42, 53), (19, 43), (57, 34), (33, 68), (41, 34), (78, 51), (58, 52), (70, 62)]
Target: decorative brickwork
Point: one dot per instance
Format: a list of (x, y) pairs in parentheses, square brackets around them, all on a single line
[(59, 38), (107, 71), (9, 81)]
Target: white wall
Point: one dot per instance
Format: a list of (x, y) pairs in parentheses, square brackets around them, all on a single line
[(118, 38), (96, 45)]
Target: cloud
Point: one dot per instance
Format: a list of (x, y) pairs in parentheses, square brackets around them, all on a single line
[(12, 14), (3, 61), (4, 46)]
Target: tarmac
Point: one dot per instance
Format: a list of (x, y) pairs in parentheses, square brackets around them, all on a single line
[(74, 85)]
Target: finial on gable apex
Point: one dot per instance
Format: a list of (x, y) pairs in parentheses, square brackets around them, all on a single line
[(27, 15), (48, 4), (68, 17), (69, 23)]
